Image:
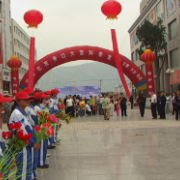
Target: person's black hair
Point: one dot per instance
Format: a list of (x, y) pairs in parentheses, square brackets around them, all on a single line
[(36, 102), (14, 106)]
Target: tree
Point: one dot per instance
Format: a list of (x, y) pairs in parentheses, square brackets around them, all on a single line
[(154, 37)]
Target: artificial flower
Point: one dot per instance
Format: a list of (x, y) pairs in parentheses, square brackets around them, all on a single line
[(17, 125), (37, 128), (6, 135)]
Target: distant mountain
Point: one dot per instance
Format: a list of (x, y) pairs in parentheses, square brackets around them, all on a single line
[(89, 74)]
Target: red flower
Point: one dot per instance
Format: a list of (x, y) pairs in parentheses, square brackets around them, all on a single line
[(17, 125), (11, 126), (37, 128), (6, 135), (60, 125), (20, 134), (46, 125), (1, 175), (51, 130), (27, 137), (48, 133)]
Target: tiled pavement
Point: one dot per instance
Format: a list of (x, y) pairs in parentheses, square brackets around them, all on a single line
[(124, 148)]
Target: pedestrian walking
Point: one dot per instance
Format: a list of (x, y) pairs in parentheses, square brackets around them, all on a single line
[(158, 103), (111, 107), (117, 107), (141, 100), (163, 105), (105, 106), (168, 99), (131, 99), (153, 104), (173, 100), (123, 105), (177, 98)]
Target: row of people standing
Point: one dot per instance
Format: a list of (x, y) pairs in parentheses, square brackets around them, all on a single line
[(26, 106)]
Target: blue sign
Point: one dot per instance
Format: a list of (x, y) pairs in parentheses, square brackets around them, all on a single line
[(82, 91)]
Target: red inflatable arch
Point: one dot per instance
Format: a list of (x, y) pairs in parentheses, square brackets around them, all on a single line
[(86, 53)]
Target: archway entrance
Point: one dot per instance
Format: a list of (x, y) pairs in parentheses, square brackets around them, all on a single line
[(87, 53)]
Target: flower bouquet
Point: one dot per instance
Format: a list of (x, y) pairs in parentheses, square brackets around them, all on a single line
[(65, 117), (43, 132), (46, 103), (61, 107), (18, 138)]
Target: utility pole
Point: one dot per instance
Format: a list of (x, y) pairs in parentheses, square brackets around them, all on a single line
[(100, 84)]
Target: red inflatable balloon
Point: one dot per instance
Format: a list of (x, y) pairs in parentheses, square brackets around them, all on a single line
[(33, 18), (111, 9)]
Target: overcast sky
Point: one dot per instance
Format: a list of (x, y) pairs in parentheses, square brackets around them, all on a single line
[(76, 22)]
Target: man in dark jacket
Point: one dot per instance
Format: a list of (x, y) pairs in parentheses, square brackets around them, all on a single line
[(141, 100), (131, 99), (123, 105), (163, 105)]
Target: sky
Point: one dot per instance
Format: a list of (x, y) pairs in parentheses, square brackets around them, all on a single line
[(69, 23)]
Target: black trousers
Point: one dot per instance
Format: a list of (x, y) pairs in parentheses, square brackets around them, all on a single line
[(142, 108), (174, 108), (163, 112), (153, 110), (70, 110), (132, 104), (177, 112), (123, 110)]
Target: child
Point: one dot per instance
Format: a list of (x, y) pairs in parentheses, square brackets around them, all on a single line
[(23, 156), (111, 106), (117, 107)]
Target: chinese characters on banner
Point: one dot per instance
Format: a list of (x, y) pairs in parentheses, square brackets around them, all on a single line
[(150, 78), (82, 91), (15, 81)]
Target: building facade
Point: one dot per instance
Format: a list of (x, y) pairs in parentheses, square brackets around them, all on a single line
[(5, 30), (20, 46), (169, 11)]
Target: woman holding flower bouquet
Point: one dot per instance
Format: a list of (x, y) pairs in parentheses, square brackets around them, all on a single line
[(5, 157), (41, 161), (24, 138), (53, 109)]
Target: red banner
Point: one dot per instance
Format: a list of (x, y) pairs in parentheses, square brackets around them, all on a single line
[(150, 78), (175, 78), (15, 81)]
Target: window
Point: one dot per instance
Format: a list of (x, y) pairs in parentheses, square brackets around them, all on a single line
[(174, 58), (172, 29), (133, 58), (137, 56)]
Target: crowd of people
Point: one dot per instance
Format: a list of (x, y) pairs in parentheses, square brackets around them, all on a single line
[(21, 116), (26, 105), (102, 105), (164, 103)]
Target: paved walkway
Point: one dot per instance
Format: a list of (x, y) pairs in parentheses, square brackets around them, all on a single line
[(124, 148)]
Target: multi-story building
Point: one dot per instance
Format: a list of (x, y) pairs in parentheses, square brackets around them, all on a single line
[(5, 30), (169, 11), (20, 46)]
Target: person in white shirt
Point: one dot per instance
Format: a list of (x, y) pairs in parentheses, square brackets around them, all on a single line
[(153, 104), (105, 106), (70, 106), (88, 109)]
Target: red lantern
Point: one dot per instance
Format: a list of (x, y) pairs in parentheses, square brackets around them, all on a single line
[(14, 62), (111, 9), (148, 56), (33, 18)]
